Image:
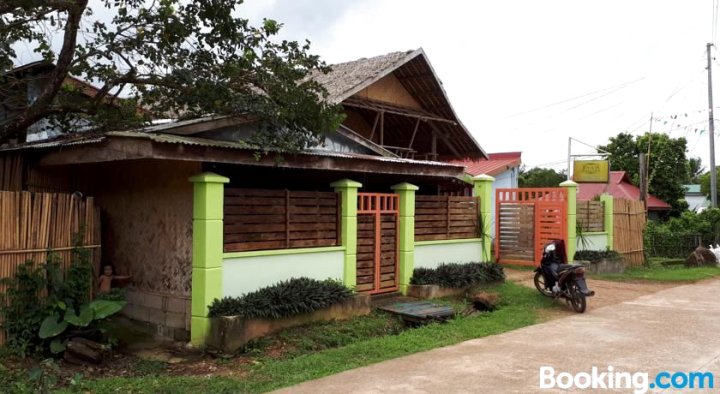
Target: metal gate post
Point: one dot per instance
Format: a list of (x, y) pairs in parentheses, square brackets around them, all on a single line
[(571, 217)]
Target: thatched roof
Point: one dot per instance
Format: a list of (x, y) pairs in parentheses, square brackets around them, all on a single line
[(414, 71), (345, 78)]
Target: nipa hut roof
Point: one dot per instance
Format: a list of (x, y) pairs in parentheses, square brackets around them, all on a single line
[(414, 71)]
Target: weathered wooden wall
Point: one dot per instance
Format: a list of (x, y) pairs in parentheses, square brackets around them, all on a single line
[(147, 219), (390, 90), (591, 216), (629, 227)]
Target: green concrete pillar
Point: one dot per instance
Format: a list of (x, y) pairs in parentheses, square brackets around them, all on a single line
[(348, 190), (483, 189), (207, 251), (406, 233), (571, 218), (607, 201)]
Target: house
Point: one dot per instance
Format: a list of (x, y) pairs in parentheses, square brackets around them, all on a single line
[(24, 85), (503, 166), (619, 186), (696, 200), (190, 211)]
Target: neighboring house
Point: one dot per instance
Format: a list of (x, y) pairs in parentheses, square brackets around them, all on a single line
[(696, 200), (620, 186), (31, 79), (191, 212), (504, 167)]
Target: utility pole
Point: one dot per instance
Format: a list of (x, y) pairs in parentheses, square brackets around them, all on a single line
[(643, 179), (569, 156), (713, 175)]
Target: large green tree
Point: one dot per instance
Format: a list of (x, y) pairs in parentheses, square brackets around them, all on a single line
[(668, 167), (171, 58), (540, 177)]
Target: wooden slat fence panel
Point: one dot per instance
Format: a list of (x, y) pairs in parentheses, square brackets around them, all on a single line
[(257, 219), (629, 226), (33, 223), (591, 216), (517, 231), (446, 217)]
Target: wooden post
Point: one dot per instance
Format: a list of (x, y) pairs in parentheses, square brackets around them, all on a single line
[(608, 224), (382, 128)]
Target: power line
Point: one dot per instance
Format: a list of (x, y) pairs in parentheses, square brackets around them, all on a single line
[(612, 88)]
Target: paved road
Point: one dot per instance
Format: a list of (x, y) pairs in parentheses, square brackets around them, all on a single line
[(677, 329)]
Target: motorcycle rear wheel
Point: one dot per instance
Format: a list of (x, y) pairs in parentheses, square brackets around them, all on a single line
[(540, 285), (577, 300)]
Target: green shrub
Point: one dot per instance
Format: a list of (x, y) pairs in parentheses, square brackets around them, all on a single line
[(292, 297), (594, 256), (458, 275), (40, 291)]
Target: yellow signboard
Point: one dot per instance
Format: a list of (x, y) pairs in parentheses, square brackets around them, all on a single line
[(591, 171)]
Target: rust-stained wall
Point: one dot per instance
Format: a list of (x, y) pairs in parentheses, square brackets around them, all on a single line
[(147, 219), (389, 89)]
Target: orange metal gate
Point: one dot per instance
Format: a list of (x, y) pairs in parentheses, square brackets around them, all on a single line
[(527, 219), (377, 250)]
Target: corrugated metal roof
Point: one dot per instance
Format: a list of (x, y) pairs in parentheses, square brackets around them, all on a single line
[(619, 187), (496, 165), (205, 142)]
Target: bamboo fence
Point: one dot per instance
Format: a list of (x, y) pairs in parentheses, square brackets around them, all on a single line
[(629, 227), (31, 224)]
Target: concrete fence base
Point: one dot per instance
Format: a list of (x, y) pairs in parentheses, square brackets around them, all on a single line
[(230, 333)]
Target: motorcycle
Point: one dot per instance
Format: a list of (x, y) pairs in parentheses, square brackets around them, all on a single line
[(557, 279)]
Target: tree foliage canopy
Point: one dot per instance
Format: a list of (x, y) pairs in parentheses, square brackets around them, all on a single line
[(540, 177), (668, 167), (171, 58)]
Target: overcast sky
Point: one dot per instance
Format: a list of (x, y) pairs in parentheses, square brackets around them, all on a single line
[(526, 75), (503, 63)]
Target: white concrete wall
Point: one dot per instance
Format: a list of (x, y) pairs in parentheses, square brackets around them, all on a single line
[(595, 241), (245, 274), (696, 202), (430, 254)]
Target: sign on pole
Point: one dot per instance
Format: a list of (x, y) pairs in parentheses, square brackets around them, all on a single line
[(591, 171)]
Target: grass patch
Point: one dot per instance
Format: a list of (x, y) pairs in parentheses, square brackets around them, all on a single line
[(149, 367), (519, 267), (663, 270), (518, 308)]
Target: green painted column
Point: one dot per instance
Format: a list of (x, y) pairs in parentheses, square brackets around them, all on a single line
[(483, 189), (571, 218), (406, 233), (609, 229), (348, 190), (207, 250)]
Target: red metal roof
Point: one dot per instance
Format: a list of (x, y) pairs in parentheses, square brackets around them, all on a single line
[(495, 165), (619, 187)]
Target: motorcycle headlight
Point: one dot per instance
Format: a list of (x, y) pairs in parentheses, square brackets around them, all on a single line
[(550, 248)]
